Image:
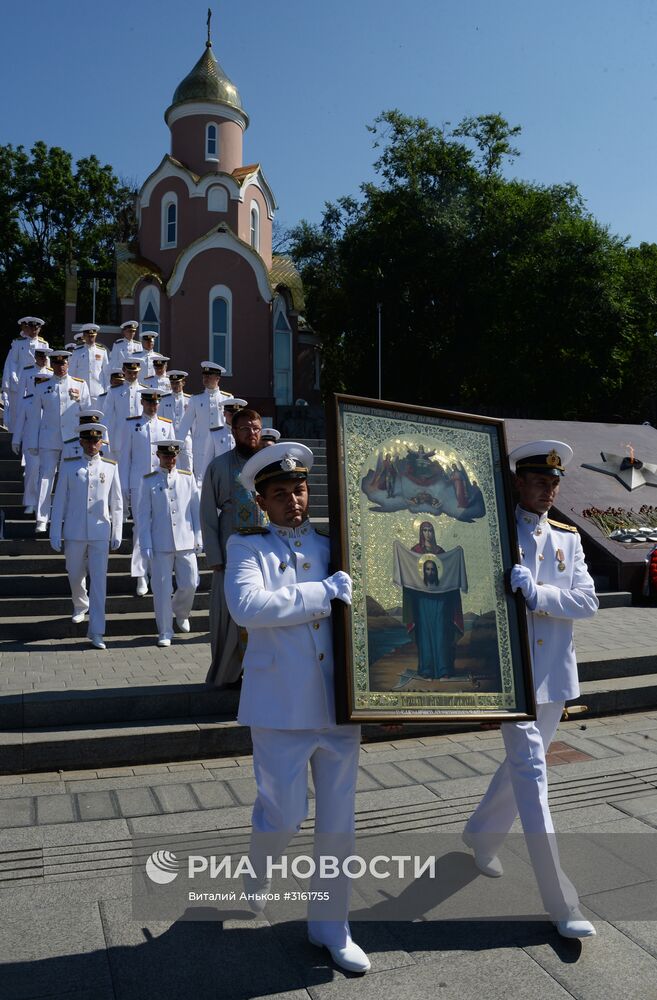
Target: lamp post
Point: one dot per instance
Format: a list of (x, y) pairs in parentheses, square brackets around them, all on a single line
[(378, 309)]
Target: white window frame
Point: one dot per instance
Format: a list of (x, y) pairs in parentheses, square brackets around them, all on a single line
[(254, 210), (150, 294), (222, 292), (212, 157), (170, 198), (220, 193)]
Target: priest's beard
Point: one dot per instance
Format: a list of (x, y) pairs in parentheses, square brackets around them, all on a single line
[(246, 451)]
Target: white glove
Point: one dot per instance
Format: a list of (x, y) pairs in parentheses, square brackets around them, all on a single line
[(115, 544), (56, 543), (16, 448), (521, 579), (339, 585)]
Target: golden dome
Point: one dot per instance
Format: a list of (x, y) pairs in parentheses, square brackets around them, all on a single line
[(207, 82)]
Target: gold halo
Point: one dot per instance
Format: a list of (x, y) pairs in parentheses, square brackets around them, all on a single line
[(422, 520), (430, 557)]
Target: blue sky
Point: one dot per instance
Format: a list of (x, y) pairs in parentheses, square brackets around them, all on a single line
[(580, 76)]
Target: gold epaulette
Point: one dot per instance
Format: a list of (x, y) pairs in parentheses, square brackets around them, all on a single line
[(561, 526), (166, 420), (102, 346), (110, 461), (76, 379), (187, 395), (184, 472)]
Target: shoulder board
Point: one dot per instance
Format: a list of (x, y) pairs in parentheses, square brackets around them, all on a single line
[(561, 526), (100, 396), (322, 529), (137, 416), (140, 385), (110, 461), (29, 368), (76, 379), (184, 472), (166, 420), (73, 458), (101, 346), (121, 340), (29, 396), (187, 395), (252, 531), (79, 347), (69, 440), (149, 474)]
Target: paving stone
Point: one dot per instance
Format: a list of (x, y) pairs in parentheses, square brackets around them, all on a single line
[(456, 767), (419, 770), (55, 809), (96, 805), (639, 805), (37, 788), (212, 794), (244, 789), (387, 775), (175, 798), (17, 812), (136, 802), (478, 762), (232, 817)]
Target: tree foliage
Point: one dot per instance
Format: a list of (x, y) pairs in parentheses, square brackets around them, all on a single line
[(53, 212), (497, 295)]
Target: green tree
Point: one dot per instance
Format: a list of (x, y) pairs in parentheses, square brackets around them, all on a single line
[(497, 295), (53, 212)]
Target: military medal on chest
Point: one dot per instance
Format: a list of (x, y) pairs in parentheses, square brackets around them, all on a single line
[(560, 561)]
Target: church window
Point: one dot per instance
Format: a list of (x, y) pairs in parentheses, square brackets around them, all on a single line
[(221, 305), (255, 225), (169, 221), (149, 309), (282, 355), (217, 199), (211, 142)]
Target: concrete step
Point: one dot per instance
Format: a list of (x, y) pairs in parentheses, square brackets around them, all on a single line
[(22, 526), (632, 666), (615, 599), (53, 564), (24, 628), (619, 694), (126, 602), (152, 742), (39, 584), (81, 708)]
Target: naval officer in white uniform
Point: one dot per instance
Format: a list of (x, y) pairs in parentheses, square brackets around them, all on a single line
[(126, 345), (558, 590), (170, 537), (87, 515), (203, 415), (90, 362), (278, 586)]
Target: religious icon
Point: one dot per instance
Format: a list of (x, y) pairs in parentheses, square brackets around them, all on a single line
[(422, 518)]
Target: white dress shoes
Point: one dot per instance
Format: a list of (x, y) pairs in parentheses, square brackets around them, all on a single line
[(78, 616), (97, 642), (41, 527), (163, 640), (142, 586), (183, 624), (575, 927), (350, 957), (488, 864)]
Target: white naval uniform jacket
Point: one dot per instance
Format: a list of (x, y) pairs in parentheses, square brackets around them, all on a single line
[(55, 416), (21, 353), (274, 588), (204, 411), (119, 403), (92, 365), (139, 449), (563, 595), (122, 349), (169, 516), (87, 504)]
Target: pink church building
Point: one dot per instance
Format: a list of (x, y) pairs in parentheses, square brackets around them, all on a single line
[(203, 274)]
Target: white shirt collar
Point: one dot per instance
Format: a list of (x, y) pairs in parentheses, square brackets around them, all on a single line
[(528, 517)]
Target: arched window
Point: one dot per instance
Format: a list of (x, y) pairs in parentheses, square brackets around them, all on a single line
[(221, 321), (217, 199), (211, 141), (255, 225), (169, 220), (149, 309), (282, 354)]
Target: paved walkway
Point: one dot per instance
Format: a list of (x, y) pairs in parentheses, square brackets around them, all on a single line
[(51, 665), (67, 930)]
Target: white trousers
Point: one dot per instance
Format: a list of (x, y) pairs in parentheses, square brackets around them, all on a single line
[(30, 480), (280, 762), (520, 787), (167, 603), (139, 564), (88, 558), (48, 462)]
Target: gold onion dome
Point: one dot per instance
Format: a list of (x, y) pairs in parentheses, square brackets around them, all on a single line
[(207, 82)]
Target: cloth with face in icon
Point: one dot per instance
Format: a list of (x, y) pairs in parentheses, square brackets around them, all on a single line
[(431, 584)]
